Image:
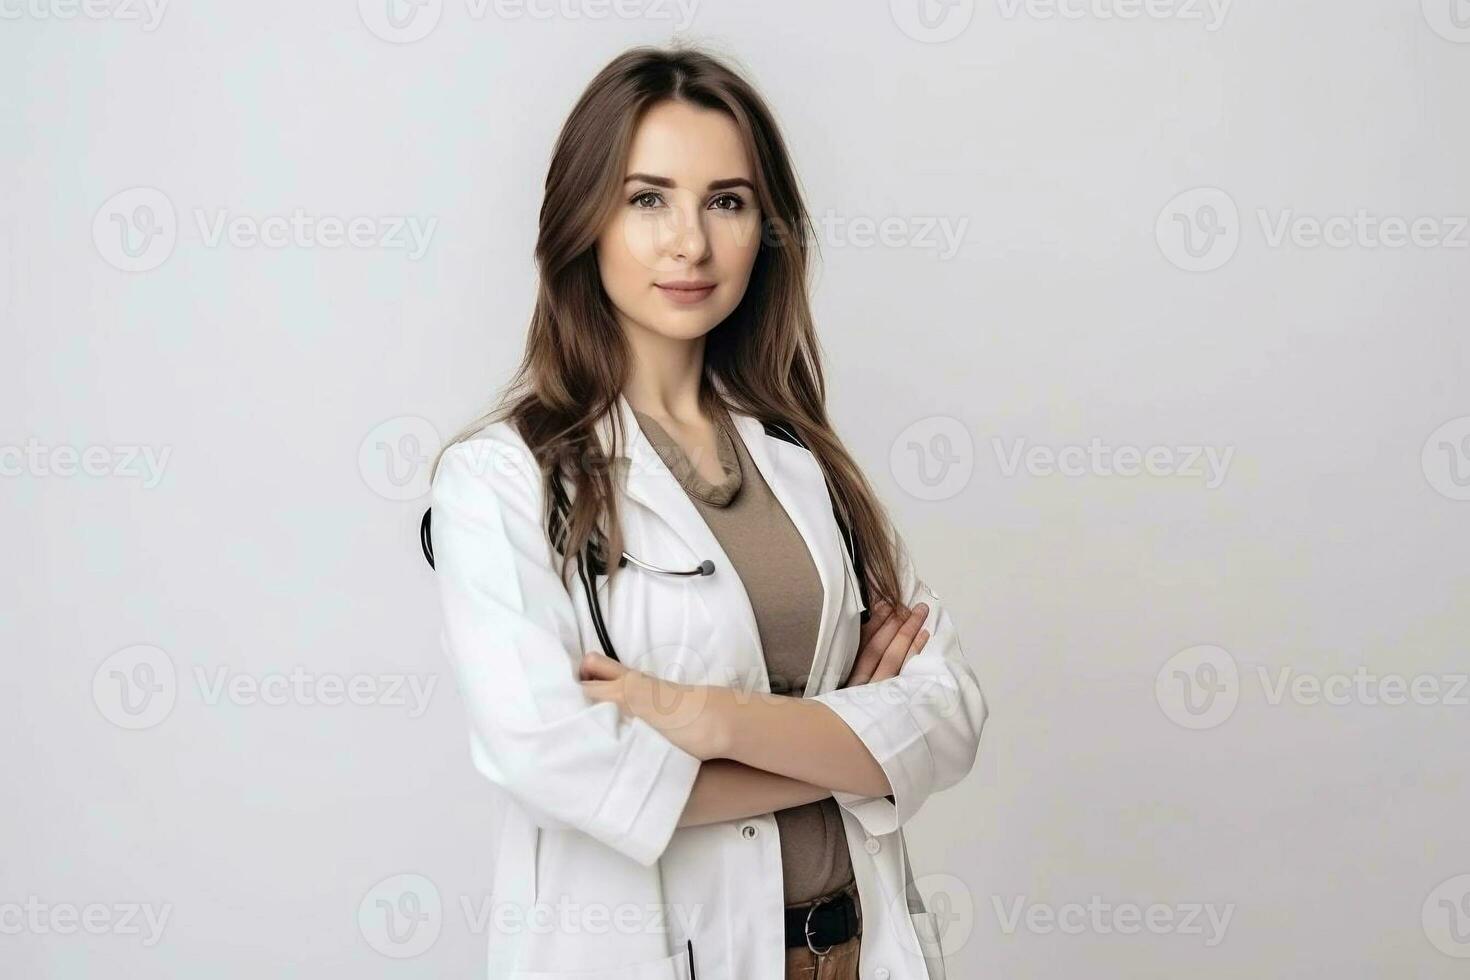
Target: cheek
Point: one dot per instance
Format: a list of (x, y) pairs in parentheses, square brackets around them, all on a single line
[(621, 267), (633, 241), (736, 243)]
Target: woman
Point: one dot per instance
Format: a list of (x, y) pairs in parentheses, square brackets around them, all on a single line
[(724, 799)]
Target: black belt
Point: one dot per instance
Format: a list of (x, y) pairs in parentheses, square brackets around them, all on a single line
[(823, 922)]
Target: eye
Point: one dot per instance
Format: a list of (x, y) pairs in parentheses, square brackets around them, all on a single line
[(643, 196), (736, 202)]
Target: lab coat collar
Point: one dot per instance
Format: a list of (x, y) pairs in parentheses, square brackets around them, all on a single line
[(795, 478)]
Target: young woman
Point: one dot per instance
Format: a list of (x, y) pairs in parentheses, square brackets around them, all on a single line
[(717, 789)]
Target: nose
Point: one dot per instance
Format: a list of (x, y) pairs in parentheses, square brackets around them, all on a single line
[(685, 237)]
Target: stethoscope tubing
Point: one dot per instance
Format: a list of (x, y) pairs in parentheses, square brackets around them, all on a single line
[(704, 568)]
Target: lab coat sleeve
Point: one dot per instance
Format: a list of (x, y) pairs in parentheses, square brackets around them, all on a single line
[(510, 632), (921, 726)]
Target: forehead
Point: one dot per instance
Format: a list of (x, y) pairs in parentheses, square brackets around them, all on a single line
[(691, 144)]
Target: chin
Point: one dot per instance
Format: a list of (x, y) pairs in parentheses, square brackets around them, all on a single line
[(686, 327)]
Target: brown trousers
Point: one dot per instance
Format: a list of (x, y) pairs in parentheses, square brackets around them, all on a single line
[(838, 963)]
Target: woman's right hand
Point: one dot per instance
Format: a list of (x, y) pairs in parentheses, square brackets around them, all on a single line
[(889, 637)]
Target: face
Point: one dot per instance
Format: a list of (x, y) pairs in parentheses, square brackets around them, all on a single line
[(676, 255)]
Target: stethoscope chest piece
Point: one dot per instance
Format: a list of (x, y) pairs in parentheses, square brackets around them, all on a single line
[(591, 561), (705, 567)]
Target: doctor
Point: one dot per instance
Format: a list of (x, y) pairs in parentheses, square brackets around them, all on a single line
[(726, 799)]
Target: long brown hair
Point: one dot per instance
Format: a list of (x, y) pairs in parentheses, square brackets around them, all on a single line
[(765, 354)]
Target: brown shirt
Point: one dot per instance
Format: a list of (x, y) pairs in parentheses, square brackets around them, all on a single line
[(776, 568)]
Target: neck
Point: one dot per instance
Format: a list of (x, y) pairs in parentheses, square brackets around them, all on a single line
[(666, 375)]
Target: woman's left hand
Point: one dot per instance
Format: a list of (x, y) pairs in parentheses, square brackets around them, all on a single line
[(686, 714)]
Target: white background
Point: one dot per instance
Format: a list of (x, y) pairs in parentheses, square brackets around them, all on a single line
[(281, 534)]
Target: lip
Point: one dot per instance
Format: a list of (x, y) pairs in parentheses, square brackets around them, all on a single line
[(686, 290)]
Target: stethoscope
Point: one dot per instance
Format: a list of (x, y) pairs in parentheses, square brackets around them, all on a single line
[(590, 562), (562, 507), (706, 567)]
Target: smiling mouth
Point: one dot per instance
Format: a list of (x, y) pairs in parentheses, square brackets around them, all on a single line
[(686, 292)]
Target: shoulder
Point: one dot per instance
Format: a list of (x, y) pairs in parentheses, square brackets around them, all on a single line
[(495, 455)]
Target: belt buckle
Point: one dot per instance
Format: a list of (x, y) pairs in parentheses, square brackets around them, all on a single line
[(819, 901)]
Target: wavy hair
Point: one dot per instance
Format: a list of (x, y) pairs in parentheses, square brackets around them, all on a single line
[(765, 355)]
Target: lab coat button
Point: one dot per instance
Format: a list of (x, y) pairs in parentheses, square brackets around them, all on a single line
[(748, 831), (872, 846), (880, 974)]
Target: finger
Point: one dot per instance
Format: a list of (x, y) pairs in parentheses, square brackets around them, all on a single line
[(914, 650), (597, 667), (883, 635), (879, 615), (897, 650), (876, 642), (883, 613), (878, 631)]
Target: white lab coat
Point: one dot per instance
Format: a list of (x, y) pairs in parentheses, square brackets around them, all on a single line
[(592, 879)]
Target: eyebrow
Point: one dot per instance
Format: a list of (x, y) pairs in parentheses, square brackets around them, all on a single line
[(714, 185)]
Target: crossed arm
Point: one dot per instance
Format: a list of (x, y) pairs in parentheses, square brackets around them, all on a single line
[(746, 740), (559, 747)]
